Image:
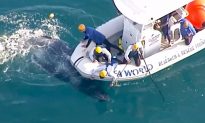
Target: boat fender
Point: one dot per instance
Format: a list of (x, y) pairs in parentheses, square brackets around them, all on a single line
[(196, 13)]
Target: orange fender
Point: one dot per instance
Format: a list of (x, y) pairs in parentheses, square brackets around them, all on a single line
[(196, 10)]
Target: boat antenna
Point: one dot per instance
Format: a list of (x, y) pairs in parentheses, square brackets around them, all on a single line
[(155, 84)]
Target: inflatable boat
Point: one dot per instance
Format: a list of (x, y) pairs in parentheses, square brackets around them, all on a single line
[(136, 24)]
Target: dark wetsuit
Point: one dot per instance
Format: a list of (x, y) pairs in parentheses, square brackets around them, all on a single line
[(136, 56), (93, 35), (165, 27)]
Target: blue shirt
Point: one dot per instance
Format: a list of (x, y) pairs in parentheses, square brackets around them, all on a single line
[(164, 20), (186, 31), (164, 25), (94, 35)]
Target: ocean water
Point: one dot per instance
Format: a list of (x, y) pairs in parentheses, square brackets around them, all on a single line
[(38, 85)]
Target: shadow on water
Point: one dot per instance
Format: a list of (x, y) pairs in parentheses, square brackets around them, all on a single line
[(53, 56)]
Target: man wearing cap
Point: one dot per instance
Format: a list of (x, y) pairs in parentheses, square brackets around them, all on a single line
[(134, 51), (100, 54), (93, 35), (105, 70), (187, 31)]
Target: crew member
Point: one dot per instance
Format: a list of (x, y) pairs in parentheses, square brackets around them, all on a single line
[(187, 31), (134, 51), (164, 25), (93, 35), (98, 54)]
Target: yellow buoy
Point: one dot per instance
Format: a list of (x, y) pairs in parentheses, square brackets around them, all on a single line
[(3, 38), (51, 15)]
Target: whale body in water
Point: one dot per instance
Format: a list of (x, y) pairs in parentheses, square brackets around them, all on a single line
[(53, 56)]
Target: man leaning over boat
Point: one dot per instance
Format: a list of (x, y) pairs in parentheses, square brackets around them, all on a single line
[(98, 38)]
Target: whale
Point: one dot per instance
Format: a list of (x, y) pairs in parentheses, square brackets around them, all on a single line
[(53, 56)]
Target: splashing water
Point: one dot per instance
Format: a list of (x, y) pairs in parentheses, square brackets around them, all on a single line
[(18, 26), (16, 44), (34, 55)]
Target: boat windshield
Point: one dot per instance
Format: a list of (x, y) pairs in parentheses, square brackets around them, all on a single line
[(132, 32)]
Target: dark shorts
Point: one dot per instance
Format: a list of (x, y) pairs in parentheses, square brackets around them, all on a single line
[(188, 39)]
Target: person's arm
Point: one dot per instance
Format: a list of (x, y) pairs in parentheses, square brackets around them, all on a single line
[(88, 43), (164, 24), (107, 53), (165, 21), (183, 33), (84, 41), (86, 32), (192, 30), (129, 49), (110, 70), (86, 37), (98, 69)]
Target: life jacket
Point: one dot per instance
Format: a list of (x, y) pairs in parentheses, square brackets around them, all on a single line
[(100, 57), (133, 53)]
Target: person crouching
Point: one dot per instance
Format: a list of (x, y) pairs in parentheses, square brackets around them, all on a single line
[(99, 54), (187, 31), (133, 51)]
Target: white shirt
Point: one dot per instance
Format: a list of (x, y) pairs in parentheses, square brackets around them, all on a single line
[(129, 49), (104, 50), (110, 70)]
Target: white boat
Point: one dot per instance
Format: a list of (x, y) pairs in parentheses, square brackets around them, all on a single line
[(136, 24)]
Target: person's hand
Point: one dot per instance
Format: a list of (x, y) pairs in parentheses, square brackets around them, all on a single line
[(129, 61), (157, 26), (141, 56), (95, 61), (83, 42)]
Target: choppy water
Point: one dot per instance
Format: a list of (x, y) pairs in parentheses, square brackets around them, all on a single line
[(38, 85)]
